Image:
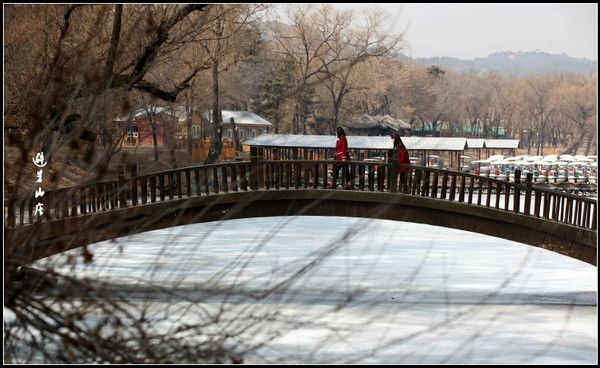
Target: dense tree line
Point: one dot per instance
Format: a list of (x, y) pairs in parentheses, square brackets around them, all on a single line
[(74, 68)]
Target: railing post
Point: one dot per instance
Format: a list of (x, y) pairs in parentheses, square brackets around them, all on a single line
[(555, 207), (269, 169), (414, 190), (361, 177), (479, 190), (64, 209), (144, 190), (188, 183), (569, 210), (178, 182), (334, 176), (507, 193), (537, 203), (215, 178), (528, 185), (288, 172), (297, 175), (134, 173), (234, 180), (517, 191), (121, 186), (594, 216), (152, 189), (315, 176), (197, 180), (256, 157), (380, 177), (306, 167), (243, 181), (205, 176), (30, 211), (452, 187), (74, 203), (498, 190), (444, 184), (224, 185), (83, 202), (426, 180), (11, 213), (461, 193), (392, 154), (161, 186), (471, 188)]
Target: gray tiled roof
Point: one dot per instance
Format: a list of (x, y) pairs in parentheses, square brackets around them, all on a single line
[(179, 112), (385, 121), (435, 143), (475, 142), (501, 143), (242, 118), (357, 142)]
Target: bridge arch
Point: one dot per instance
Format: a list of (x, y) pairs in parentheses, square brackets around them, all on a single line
[(53, 237)]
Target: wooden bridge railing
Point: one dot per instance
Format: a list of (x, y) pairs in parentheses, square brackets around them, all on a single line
[(519, 197)]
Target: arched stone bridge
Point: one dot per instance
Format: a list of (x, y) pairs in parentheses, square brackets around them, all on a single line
[(517, 211)]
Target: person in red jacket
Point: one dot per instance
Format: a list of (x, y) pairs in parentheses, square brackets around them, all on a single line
[(403, 158), (341, 146), (342, 154)]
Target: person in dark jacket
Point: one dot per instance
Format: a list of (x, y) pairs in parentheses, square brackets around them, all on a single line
[(342, 153), (403, 158)]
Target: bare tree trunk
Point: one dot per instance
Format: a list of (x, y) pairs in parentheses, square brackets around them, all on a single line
[(574, 146), (589, 144), (336, 116), (190, 112), (334, 122), (189, 137), (173, 158), (216, 145), (234, 136), (154, 140), (595, 142), (295, 119), (304, 117)]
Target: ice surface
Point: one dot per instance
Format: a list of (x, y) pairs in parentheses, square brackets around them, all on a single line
[(415, 293)]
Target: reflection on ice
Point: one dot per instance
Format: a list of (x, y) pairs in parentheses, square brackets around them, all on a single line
[(408, 293)]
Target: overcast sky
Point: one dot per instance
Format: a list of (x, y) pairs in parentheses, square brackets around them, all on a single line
[(467, 31)]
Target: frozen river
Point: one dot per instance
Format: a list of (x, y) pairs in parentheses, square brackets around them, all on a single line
[(346, 290)]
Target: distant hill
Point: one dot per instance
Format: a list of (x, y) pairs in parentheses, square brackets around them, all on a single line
[(517, 64)]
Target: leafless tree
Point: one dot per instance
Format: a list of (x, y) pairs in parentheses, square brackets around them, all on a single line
[(83, 67), (577, 103), (349, 46), (227, 42), (541, 107)]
